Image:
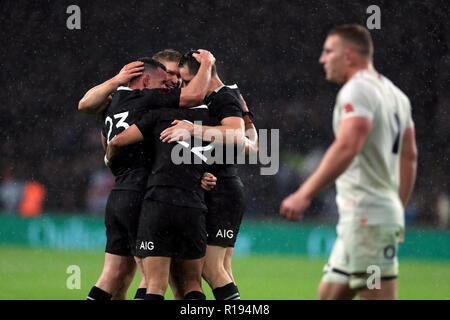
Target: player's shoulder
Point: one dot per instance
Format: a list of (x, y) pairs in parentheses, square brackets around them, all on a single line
[(362, 80), (200, 113), (362, 86), (226, 93), (397, 91), (124, 94), (124, 99)]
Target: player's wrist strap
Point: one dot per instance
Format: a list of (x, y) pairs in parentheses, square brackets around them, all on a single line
[(107, 162), (249, 114)]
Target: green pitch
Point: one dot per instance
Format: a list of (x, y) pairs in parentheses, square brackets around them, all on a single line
[(41, 274)]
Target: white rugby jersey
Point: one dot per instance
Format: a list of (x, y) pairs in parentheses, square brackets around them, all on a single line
[(367, 192)]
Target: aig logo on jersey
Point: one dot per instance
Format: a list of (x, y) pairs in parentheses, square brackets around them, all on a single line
[(225, 234), (147, 245)]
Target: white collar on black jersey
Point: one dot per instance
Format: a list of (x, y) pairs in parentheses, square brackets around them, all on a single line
[(202, 106), (233, 86), (124, 88)]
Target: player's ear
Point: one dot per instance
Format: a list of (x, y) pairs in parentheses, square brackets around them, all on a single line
[(145, 80), (349, 56)]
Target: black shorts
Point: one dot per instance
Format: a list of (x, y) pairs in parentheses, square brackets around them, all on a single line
[(122, 219), (166, 230), (226, 205)]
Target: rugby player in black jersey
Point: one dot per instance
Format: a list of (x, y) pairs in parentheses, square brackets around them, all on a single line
[(172, 221), (226, 202), (170, 58), (131, 168)]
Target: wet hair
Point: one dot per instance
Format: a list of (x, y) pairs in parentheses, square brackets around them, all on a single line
[(151, 65), (170, 55), (357, 35), (193, 65)]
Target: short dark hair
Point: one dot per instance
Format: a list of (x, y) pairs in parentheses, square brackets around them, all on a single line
[(357, 35), (193, 65), (151, 65), (171, 55)]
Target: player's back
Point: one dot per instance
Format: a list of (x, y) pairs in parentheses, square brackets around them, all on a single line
[(368, 189), (225, 102), (180, 164), (131, 166)]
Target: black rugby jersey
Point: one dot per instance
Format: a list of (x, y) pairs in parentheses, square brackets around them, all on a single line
[(224, 102), (130, 167), (168, 170)]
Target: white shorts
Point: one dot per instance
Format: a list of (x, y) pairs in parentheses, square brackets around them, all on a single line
[(361, 251)]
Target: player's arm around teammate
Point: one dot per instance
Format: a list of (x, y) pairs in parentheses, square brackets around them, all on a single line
[(223, 220), (97, 98), (133, 135)]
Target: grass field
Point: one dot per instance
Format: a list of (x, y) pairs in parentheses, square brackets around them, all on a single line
[(41, 274)]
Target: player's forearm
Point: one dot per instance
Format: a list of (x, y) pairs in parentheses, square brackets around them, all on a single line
[(112, 151), (336, 160), (251, 135), (103, 139), (408, 171), (94, 100), (251, 139), (408, 165), (194, 94), (129, 136), (220, 134)]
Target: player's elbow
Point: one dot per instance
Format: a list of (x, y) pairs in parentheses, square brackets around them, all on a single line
[(84, 107), (410, 155), (348, 149), (409, 148)]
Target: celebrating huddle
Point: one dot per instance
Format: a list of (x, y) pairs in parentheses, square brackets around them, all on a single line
[(176, 221)]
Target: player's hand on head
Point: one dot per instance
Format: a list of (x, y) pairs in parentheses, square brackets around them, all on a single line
[(180, 130), (130, 71), (208, 181), (204, 56), (293, 206)]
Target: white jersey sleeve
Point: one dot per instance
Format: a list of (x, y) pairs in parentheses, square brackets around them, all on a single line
[(354, 101)]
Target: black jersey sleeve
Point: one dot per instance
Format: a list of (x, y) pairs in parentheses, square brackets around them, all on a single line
[(147, 123), (161, 98), (226, 106)]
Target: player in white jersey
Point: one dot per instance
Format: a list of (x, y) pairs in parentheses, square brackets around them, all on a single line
[(373, 161)]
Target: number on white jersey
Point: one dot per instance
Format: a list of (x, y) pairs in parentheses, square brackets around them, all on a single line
[(397, 137)]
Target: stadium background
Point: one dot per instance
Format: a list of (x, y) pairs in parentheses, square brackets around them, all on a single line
[(271, 51)]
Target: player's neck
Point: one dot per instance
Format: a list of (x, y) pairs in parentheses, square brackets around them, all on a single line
[(135, 85), (363, 66), (214, 84)]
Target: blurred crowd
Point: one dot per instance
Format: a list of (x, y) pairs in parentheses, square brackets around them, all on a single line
[(270, 50)]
